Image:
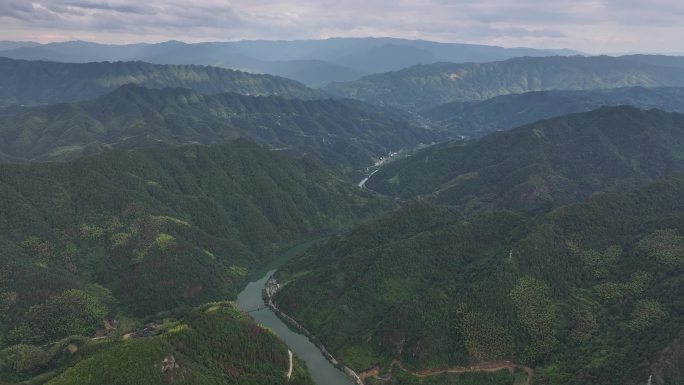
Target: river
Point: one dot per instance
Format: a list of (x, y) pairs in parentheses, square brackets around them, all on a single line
[(363, 182), (322, 371)]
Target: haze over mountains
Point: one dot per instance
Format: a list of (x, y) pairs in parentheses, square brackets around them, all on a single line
[(434, 213), (312, 62)]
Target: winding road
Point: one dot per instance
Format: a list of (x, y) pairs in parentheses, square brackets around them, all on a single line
[(482, 367), (362, 184), (289, 371)]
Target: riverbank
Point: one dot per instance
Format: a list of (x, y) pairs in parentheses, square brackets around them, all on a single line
[(251, 300), (270, 291)]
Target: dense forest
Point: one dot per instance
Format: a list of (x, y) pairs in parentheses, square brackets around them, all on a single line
[(130, 233), (213, 344), (429, 85), (345, 134), (40, 82), (589, 293), (556, 161)]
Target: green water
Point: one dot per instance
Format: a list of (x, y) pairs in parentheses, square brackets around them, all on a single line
[(322, 371)]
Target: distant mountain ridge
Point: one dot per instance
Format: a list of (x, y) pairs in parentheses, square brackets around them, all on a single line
[(658, 60), (425, 86), (345, 134), (313, 62), (10, 45), (39, 82), (474, 119)]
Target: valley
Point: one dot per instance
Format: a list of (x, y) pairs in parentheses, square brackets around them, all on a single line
[(338, 210)]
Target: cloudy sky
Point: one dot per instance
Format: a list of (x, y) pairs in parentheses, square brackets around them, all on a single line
[(589, 25)]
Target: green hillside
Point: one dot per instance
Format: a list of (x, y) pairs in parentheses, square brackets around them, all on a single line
[(587, 294), (343, 133), (39, 82), (213, 344), (430, 85), (476, 119), (128, 234), (556, 161)]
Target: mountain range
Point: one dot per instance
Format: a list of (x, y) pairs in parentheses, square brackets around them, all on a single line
[(345, 134), (519, 218), (313, 62), (39, 82), (425, 86)]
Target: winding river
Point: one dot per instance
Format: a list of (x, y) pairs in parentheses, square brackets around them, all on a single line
[(322, 371)]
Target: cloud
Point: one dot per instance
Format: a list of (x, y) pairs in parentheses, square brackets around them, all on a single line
[(120, 8), (592, 25)]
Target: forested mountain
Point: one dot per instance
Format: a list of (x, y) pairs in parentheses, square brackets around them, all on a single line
[(326, 210), (343, 133), (425, 86), (136, 232), (588, 294), (659, 60), (551, 162), (39, 82), (215, 343), (134, 196), (473, 119), (313, 62)]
